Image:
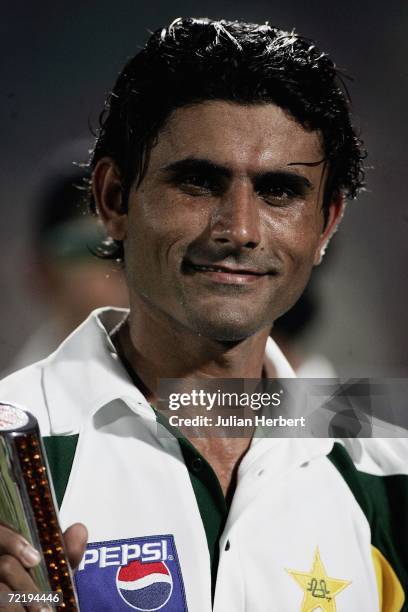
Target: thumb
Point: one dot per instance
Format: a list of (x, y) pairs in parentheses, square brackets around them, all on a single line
[(75, 538)]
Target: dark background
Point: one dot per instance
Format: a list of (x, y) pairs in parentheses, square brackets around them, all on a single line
[(60, 58)]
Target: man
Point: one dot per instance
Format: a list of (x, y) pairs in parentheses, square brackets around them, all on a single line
[(220, 171)]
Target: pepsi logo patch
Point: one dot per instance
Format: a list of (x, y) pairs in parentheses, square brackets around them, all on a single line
[(140, 574), (144, 584)]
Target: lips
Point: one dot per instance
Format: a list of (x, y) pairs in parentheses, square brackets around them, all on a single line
[(209, 267), (224, 275), (225, 269)]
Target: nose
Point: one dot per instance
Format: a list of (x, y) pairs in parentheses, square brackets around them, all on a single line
[(235, 220)]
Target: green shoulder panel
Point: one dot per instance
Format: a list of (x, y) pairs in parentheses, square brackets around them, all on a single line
[(384, 501), (60, 454)]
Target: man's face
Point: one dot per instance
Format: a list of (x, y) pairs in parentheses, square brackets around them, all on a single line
[(222, 234)]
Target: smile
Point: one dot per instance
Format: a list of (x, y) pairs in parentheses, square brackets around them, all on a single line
[(224, 274)]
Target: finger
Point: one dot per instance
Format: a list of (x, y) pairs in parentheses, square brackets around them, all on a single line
[(16, 578), (10, 607), (12, 543), (75, 539), (13, 574), (6, 591), (16, 554)]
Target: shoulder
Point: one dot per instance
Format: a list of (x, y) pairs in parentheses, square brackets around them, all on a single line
[(78, 378), (376, 472), (24, 388)]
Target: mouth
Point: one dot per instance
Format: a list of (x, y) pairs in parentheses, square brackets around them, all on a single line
[(227, 275)]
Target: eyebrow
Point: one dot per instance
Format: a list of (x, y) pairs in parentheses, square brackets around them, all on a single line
[(194, 164), (199, 165), (312, 164)]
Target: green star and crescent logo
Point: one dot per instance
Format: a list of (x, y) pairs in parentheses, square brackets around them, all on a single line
[(319, 589)]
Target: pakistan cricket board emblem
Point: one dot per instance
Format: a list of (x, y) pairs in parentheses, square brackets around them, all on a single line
[(319, 589)]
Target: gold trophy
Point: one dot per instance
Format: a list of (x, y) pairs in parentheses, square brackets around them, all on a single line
[(27, 505)]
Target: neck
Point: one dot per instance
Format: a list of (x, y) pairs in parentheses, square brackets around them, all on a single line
[(156, 346)]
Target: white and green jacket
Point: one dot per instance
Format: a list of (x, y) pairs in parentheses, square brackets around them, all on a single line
[(313, 525)]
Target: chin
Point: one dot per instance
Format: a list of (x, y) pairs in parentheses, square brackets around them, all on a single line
[(227, 329)]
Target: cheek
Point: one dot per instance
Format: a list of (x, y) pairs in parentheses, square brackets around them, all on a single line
[(294, 247), (158, 233), (294, 237)]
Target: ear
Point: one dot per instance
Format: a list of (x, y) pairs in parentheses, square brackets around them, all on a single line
[(107, 192), (336, 211)]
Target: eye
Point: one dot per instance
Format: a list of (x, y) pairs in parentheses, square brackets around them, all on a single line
[(278, 195), (198, 184), (282, 188)]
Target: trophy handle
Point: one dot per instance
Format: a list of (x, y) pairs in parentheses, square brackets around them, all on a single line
[(27, 502)]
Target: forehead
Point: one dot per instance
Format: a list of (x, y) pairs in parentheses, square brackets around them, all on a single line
[(244, 137)]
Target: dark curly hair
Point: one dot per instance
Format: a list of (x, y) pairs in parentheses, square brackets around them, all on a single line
[(194, 60)]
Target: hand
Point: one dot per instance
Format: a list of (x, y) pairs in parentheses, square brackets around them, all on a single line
[(17, 556)]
